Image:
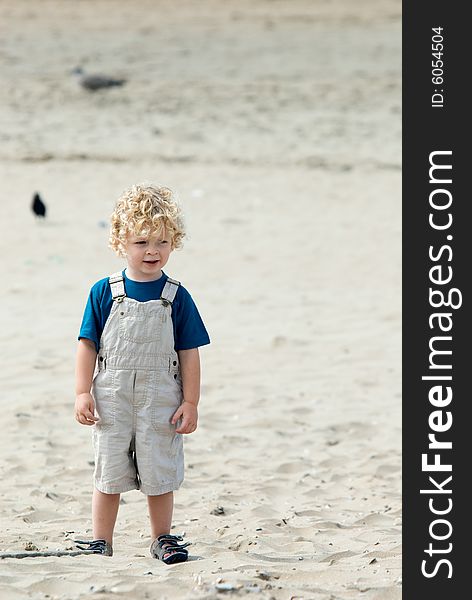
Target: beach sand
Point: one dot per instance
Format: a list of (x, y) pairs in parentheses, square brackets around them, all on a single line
[(278, 126)]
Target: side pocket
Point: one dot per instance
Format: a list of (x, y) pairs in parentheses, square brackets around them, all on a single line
[(164, 401), (161, 419), (103, 391)]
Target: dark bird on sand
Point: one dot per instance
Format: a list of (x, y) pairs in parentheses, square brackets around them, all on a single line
[(38, 206), (94, 82)]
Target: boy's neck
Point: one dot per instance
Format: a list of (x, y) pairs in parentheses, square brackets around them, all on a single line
[(140, 278)]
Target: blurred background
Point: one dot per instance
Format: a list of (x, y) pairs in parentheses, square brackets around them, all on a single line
[(277, 123)]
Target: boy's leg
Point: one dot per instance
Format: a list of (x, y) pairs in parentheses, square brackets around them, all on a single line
[(160, 513), (104, 511)]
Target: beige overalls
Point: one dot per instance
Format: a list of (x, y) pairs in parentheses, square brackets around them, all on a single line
[(137, 389)]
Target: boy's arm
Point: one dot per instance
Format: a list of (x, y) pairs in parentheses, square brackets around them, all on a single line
[(84, 368), (190, 371)]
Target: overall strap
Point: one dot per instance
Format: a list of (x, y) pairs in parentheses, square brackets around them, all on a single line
[(170, 290), (117, 286)]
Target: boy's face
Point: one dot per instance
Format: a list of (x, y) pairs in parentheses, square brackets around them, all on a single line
[(147, 255)]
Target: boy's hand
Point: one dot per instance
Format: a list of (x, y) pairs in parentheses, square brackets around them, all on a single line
[(84, 409), (189, 415)]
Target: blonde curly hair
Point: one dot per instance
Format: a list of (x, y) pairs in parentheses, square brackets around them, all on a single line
[(143, 210)]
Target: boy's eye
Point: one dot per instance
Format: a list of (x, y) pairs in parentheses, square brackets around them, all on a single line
[(140, 242)]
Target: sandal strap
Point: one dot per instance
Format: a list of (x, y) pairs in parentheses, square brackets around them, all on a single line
[(168, 547), (172, 540), (170, 537)]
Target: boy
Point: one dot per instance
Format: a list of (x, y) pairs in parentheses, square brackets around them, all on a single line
[(145, 330)]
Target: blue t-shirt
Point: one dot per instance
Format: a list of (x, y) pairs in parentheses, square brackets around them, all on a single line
[(189, 330)]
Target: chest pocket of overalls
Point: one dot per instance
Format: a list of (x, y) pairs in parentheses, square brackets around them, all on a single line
[(141, 324)]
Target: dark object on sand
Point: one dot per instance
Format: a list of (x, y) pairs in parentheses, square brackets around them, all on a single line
[(38, 206), (46, 553), (94, 82)]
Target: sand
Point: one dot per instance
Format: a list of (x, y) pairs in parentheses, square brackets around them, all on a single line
[(278, 126)]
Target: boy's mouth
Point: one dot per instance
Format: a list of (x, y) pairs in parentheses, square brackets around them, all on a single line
[(151, 262)]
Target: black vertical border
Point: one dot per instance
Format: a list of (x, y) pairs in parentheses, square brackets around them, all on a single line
[(427, 129)]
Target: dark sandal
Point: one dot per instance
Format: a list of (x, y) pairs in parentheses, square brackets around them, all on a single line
[(167, 545), (95, 547)]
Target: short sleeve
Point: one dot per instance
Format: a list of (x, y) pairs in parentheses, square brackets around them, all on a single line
[(189, 329), (96, 313)]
